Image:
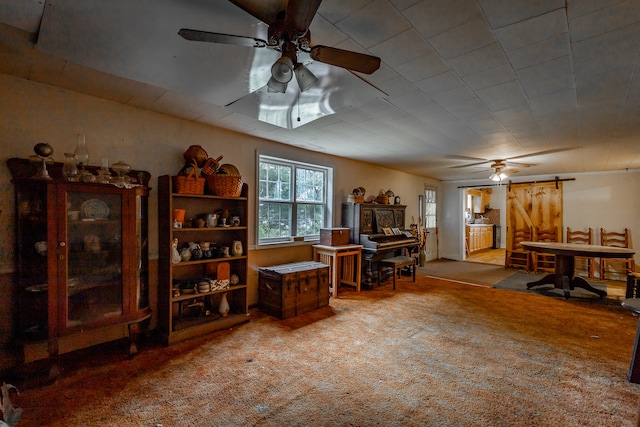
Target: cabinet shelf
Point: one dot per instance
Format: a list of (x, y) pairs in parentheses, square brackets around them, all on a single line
[(207, 229), (184, 297), (177, 320), (206, 261)]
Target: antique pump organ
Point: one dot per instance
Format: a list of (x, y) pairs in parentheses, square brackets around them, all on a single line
[(367, 222)]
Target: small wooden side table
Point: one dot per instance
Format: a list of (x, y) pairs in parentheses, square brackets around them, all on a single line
[(345, 264)]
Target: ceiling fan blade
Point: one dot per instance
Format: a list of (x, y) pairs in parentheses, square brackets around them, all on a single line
[(518, 164), (205, 36), (468, 165), (300, 13), (346, 59), (542, 153), (268, 12)]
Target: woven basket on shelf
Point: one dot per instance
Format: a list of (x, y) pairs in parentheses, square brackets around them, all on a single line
[(191, 183), (211, 166), (224, 185), (195, 153)]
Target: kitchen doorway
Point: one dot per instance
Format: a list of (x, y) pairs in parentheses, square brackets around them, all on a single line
[(484, 216)]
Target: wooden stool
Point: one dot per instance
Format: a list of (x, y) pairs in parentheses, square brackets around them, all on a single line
[(397, 263)]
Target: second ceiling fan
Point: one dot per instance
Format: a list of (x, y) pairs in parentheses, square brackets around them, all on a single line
[(288, 32)]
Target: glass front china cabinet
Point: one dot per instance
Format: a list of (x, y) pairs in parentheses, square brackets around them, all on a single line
[(81, 259)]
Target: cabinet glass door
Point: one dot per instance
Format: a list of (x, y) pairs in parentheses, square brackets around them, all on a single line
[(94, 290), (33, 257)]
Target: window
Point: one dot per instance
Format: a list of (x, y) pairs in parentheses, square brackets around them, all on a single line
[(292, 199), (430, 208)]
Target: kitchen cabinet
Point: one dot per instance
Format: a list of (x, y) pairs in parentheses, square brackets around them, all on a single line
[(185, 310), (480, 236), (81, 260)]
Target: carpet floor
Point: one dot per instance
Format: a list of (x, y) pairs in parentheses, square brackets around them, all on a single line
[(431, 353), (615, 289), (467, 272)]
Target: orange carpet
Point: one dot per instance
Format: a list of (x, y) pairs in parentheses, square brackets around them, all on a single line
[(431, 353)]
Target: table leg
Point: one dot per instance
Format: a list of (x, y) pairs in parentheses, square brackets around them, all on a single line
[(336, 273), (565, 266)]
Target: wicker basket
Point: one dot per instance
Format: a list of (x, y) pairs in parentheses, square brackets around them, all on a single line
[(211, 166), (196, 153), (189, 184), (224, 185)]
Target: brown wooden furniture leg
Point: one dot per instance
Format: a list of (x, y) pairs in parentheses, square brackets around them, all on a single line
[(135, 329), (565, 266)]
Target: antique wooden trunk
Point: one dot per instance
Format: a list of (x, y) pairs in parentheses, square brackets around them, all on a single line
[(334, 236), (290, 289)]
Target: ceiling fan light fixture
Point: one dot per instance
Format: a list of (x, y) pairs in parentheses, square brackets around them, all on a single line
[(274, 86), (282, 69), (304, 77), (498, 175)]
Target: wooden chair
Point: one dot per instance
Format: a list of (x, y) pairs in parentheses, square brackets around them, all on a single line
[(613, 265), (540, 261), (516, 256), (584, 265)]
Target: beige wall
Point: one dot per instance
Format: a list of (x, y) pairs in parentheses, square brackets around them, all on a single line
[(31, 113)]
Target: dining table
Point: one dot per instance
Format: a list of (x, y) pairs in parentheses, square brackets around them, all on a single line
[(563, 276)]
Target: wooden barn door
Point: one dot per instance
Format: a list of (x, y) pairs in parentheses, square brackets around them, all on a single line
[(534, 205)]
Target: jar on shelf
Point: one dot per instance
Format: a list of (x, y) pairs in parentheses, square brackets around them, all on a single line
[(69, 168)]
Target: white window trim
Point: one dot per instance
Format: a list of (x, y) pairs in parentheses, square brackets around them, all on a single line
[(329, 191)]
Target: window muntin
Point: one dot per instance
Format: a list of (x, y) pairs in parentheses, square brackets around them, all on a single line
[(283, 214), (430, 208)]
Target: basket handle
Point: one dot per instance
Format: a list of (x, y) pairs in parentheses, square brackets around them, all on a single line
[(194, 171)]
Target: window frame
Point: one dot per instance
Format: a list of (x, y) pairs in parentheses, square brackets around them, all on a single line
[(294, 203)]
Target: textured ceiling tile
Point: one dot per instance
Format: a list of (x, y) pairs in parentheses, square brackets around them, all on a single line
[(470, 36), (500, 13), (623, 41), (557, 83), (606, 87), (377, 22), (584, 7), (541, 52), (454, 96), (479, 60), (503, 96), (493, 76), (439, 83), (325, 33), (555, 103), (470, 111), (431, 17), (404, 4), (604, 20), (402, 48), (534, 30), (423, 67), (336, 10), (558, 66)]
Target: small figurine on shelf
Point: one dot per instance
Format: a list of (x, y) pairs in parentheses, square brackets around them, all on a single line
[(175, 255)]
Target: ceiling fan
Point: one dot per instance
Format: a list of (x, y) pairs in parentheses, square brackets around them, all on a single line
[(288, 32), (502, 167)]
